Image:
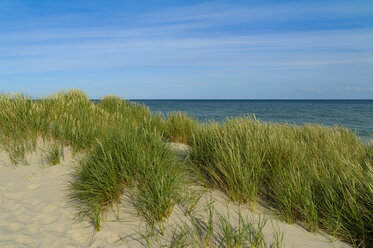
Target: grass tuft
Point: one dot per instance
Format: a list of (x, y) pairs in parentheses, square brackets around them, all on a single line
[(54, 153), (179, 127), (213, 229), (130, 158)]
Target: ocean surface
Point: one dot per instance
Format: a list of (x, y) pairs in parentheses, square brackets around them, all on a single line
[(354, 114)]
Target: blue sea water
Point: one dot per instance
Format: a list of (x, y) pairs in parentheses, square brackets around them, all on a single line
[(354, 114)]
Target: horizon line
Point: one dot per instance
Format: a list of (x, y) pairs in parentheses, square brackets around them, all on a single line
[(240, 99)]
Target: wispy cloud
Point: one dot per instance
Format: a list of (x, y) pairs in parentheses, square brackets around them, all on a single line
[(225, 13), (358, 89), (291, 42), (136, 47)]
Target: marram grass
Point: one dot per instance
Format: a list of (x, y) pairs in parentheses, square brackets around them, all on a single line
[(123, 160), (179, 127), (54, 154), (321, 176), (216, 229), (318, 175)]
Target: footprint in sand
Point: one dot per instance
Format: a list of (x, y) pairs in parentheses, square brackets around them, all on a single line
[(23, 218), (6, 187), (49, 208), (61, 229), (98, 244), (24, 239), (32, 186), (48, 221), (14, 196), (45, 219), (32, 229), (80, 236), (13, 226), (34, 202)]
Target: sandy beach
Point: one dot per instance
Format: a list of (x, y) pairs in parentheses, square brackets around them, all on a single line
[(35, 212)]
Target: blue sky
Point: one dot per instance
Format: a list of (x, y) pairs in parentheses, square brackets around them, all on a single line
[(253, 49)]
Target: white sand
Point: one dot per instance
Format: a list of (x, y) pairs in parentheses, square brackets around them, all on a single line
[(34, 212)]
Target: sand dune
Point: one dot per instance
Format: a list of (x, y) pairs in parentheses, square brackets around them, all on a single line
[(34, 212)]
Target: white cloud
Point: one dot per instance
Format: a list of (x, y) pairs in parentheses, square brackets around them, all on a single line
[(358, 89), (137, 47)]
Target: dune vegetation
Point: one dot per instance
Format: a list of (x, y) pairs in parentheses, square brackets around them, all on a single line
[(316, 175)]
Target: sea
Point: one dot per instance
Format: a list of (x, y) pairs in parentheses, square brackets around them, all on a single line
[(356, 115)]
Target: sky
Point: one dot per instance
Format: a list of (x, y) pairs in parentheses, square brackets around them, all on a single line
[(252, 49)]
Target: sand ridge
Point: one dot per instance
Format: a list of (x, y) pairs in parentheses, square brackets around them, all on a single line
[(35, 212)]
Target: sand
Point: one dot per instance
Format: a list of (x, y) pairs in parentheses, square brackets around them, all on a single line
[(35, 212)]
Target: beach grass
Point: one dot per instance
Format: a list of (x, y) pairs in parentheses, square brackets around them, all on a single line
[(322, 176), (211, 228), (180, 127), (129, 159), (316, 175), (54, 154)]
